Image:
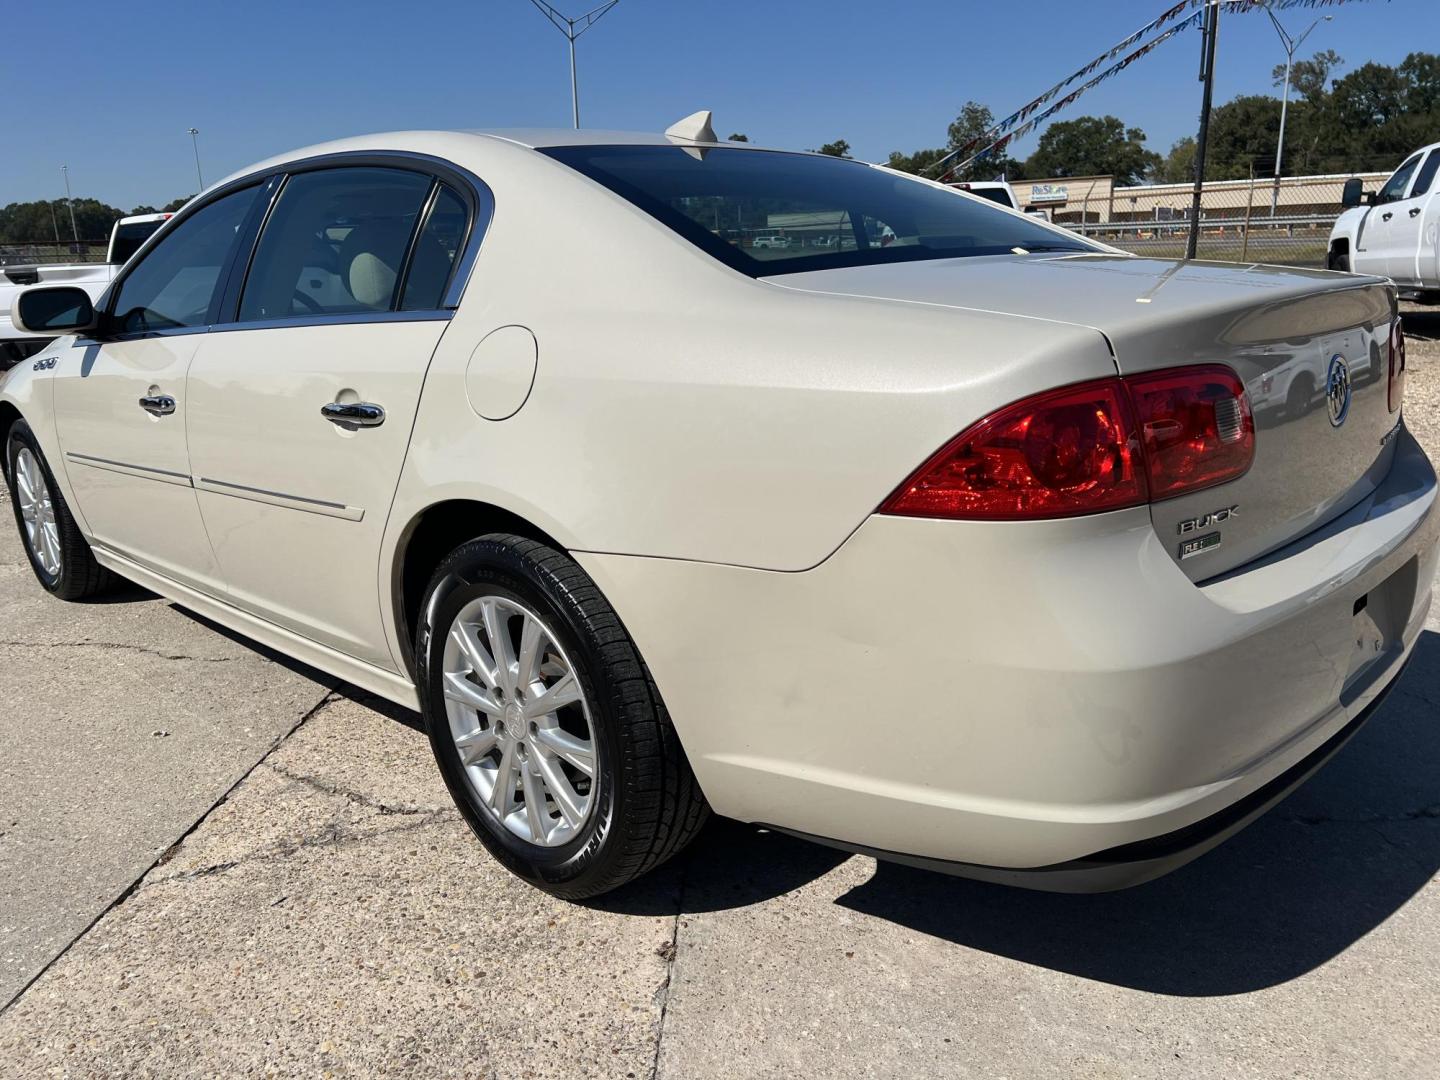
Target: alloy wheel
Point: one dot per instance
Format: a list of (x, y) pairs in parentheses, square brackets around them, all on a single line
[(37, 512), (520, 721)]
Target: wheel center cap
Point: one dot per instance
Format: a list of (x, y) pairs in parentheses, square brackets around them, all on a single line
[(514, 720)]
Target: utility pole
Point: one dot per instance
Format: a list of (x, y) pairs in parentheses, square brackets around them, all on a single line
[(75, 232), (568, 27), (1207, 75), (194, 134), (1290, 46)]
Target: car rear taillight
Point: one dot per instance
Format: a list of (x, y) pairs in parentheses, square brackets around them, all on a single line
[(1196, 427), (1084, 449), (1397, 366), (1069, 451)]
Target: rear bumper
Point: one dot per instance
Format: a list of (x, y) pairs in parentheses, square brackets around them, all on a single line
[(1028, 697), (1141, 860)]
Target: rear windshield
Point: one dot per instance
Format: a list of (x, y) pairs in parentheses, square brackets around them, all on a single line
[(129, 236), (768, 212)]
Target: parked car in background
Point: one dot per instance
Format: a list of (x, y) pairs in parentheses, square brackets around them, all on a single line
[(126, 237), (946, 550), (1394, 233), (997, 191), (776, 242)]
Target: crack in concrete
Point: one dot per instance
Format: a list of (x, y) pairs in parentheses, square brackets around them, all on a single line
[(1423, 813), (122, 646), (333, 835), (669, 951), (350, 794), (169, 853)]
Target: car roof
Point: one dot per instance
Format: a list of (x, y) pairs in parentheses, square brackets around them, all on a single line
[(452, 144)]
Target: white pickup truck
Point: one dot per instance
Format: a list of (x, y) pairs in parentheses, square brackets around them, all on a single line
[(1396, 232), (125, 239)]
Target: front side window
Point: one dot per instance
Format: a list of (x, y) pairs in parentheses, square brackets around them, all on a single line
[(175, 285), (1426, 176), (1395, 187), (335, 243), (768, 212)]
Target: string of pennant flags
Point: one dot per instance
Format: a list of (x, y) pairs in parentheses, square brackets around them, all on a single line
[(1033, 114)]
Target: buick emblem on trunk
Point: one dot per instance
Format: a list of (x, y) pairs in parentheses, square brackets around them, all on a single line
[(1337, 390)]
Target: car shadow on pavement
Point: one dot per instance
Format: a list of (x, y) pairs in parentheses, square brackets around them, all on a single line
[(1422, 323), (1297, 888)]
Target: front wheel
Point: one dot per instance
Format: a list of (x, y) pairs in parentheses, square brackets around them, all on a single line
[(545, 723), (59, 554)]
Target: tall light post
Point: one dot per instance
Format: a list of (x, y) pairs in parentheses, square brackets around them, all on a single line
[(568, 27), (194, 134), (75, 232), (1290, 45)]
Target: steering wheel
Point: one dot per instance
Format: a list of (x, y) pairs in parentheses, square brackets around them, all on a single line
[(308, 302)]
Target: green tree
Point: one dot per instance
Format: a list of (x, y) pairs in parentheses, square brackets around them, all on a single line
[(175, 204), (38, 221), (1309, 78), (737, 137), (838, 148), (1179, 163), (918, 163), (972, 122), (1093, 146)]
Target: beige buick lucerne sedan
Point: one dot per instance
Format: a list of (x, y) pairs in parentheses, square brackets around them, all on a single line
[(936, 532)]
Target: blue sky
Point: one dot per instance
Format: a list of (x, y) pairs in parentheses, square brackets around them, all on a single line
[(265, 76)]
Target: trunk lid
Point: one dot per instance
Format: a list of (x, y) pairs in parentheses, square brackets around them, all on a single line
[(1280, 329)]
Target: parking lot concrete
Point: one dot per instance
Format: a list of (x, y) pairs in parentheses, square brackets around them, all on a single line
[(331, 915)]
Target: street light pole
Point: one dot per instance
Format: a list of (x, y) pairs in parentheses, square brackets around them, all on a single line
[(1207, 76), (1290, 45), (568, 27), (194, 134), (74, 231)]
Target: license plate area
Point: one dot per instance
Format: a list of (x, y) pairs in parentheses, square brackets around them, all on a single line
[(1377, 628)]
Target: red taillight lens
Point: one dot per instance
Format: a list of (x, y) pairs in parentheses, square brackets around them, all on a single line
[(1088, 448), (1070, 451), (1196, 427), (1397, 366)]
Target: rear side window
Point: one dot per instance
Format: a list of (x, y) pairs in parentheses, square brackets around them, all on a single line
[(436, 249), (175, 284), (1427, 175), (825, 211), (335, 243)]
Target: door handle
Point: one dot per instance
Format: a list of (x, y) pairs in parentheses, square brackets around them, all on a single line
[(357, 414), (158, 404), (1386, 216), (1415, 211)]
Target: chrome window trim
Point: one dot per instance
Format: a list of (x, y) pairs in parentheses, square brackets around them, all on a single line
[(482, 212), (350, 318), (342, 319)]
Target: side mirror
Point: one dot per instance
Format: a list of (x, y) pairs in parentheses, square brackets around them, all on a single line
[(1354, 194), (53, 310)]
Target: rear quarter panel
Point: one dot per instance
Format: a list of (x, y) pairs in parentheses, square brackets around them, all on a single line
[(683, 410)]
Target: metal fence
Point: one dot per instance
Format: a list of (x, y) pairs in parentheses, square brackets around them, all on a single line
[(1289, 240), (1286, 221), (31, 253)]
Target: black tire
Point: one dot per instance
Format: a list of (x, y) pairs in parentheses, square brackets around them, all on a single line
[(1300, 397), (649, 805), (79, 576)]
